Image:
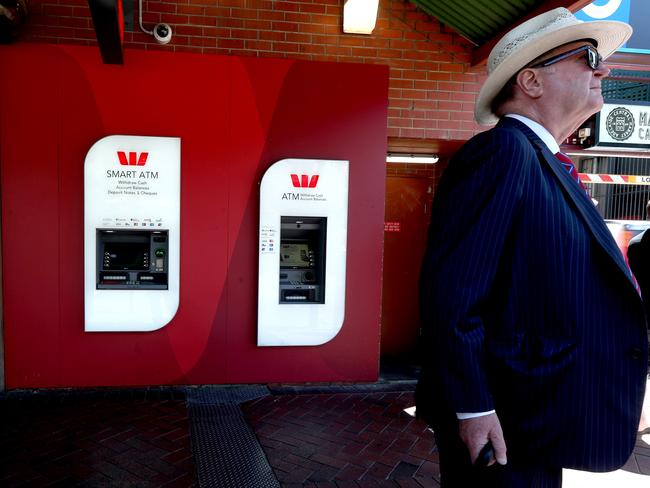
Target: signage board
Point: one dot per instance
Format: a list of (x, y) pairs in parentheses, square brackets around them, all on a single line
[(634, 12), (623, 126), (131, 233), (302, 252)]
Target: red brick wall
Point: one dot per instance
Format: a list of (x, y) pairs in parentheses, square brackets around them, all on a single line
[(429, 171), (406, 169), (432, 87)]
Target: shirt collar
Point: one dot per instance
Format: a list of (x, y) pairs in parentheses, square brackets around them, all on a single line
[(539, 130)]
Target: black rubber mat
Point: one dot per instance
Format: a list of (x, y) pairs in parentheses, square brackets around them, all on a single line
[(226, 451)]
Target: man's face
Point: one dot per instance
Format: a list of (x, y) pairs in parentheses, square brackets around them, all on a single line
[(571, 84)]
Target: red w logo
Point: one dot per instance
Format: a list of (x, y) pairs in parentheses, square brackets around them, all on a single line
[(133, 160), (304, 181)]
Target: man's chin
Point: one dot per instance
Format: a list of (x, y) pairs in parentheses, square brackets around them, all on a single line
[(598, 105)]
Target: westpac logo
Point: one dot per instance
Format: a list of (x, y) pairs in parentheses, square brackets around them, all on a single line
[(133, 159), (304, 181)]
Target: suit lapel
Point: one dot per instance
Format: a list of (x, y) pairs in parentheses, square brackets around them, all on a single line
[(576, 196), (588, 211)]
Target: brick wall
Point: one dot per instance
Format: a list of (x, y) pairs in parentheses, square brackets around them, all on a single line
[(432, 172), (432, 86), (415, 170)]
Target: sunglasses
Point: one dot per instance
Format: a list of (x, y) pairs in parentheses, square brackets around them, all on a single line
[(592, 57)]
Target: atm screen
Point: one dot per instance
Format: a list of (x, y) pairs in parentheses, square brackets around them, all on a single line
[(293, 255), (126, 255)]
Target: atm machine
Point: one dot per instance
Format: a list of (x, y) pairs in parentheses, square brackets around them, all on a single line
[(131, 233), (132, 259), (302, 252), (302, 259)]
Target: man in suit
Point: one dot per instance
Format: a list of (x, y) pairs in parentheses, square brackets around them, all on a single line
[(532, 323)]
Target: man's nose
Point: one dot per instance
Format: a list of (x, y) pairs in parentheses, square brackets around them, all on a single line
[(602, 70)]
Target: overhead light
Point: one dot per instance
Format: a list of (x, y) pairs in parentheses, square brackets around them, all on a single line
[(360, 16), (412, 158)]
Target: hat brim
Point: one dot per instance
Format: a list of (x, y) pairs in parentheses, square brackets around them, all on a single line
[(610, 35)]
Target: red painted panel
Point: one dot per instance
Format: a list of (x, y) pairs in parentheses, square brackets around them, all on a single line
[(235, 117), (334, 123), (30, 210), (408, 212), (141, 109)]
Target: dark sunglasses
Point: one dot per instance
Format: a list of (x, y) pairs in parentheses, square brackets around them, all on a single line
[(593, 58)]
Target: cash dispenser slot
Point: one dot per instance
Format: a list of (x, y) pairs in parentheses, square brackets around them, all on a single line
[(132, 259), (302, 259)]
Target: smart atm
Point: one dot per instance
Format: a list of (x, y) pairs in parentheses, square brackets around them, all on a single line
[(302, 252), (131, 233), (132, 260)]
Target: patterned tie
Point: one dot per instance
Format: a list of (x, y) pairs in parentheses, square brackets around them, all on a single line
[(568, 165)]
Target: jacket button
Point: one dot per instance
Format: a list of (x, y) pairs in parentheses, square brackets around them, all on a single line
[(636, 353)]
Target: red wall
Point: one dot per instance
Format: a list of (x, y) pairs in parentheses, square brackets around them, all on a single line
[(235, 116), (432, 84)]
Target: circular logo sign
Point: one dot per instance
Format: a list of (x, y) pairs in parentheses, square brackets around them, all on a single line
[(620, 123)]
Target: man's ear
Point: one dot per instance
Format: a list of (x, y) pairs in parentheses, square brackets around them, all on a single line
[(530, 82)]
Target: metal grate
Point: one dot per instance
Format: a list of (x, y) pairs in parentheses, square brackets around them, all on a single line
[(627, 85), (225, 395), (618, 202), (226, 451)]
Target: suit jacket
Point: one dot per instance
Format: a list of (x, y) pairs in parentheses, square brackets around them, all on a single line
[(528, 307)]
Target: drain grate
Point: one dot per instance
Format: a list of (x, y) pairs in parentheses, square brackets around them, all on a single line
[(226, 451), (225, 395)]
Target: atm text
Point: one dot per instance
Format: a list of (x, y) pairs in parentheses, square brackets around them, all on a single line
[(307, 197), (112, 173)]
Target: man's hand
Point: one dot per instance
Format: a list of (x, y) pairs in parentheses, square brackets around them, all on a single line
[(476, 432)]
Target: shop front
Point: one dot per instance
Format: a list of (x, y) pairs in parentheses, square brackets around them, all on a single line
[(272, 241)]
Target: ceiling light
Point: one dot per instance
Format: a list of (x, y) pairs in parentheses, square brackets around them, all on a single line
[(412, 158)]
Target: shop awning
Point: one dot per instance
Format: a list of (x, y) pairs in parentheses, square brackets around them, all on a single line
[(483, 22)]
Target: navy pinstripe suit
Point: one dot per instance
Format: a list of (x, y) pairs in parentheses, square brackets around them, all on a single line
[(528, 307)]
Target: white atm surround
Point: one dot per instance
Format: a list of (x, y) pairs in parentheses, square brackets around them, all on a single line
[(129, 191), (289, 188)]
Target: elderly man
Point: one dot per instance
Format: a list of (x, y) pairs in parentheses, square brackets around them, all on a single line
[(533, 325)]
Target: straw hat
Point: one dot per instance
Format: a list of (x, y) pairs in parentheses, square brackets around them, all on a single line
[(533, 38)]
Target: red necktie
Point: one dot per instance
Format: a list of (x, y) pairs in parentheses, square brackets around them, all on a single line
[(568, 165)]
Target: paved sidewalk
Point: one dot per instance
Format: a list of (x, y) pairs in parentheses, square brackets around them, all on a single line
[(365, 439), (97, 438), (345, 439), (333, 436)]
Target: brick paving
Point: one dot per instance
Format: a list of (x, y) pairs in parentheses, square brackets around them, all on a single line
[(351, 436), (95, 439), (345, 440), (356, 440)]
